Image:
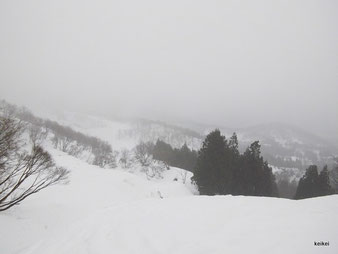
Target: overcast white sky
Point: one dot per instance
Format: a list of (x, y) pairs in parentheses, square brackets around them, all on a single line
[(236, 63)]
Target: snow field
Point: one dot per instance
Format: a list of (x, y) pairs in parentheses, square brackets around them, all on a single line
[(112, 211)]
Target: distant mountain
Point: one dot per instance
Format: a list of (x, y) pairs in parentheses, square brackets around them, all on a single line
[(127, 133), (285, 145), (282, 145)]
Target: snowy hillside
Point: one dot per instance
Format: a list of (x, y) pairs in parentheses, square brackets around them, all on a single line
[(113, 211), (168, 127), (127, 133), (283, 145), (123, 210), (288, 149), (52, 212)]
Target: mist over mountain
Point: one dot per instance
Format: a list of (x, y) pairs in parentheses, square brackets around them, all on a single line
[(282, 144), (181, 126), (225, 63)]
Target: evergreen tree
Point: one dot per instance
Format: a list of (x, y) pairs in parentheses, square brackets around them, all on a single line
[(211, 174), (313, 184), (182, 158), (334, 176), (185, 158), (324, 187), (253, 175), (269, 186), (308, 184), (220, 168), (232, 157), (251, 170), (163, 152), (233, 144)]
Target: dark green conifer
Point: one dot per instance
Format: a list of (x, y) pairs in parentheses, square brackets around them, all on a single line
[(211, 174)]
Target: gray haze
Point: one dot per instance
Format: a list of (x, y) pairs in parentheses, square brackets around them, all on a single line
[(235, 63)]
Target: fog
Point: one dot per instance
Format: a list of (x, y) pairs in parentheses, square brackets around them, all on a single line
[(232, 63)]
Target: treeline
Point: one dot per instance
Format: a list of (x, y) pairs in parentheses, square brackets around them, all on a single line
[(154, 159), (334, 176), (221, 169), (75, 143), (183, 157), (177, 129), (65, 138), (150, 131), (314, 184)]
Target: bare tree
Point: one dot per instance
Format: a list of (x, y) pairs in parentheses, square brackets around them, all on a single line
[(143, 154), (37, 134), (125, 159), (10, 132), (105, 159), (23, 173), (62, 143)]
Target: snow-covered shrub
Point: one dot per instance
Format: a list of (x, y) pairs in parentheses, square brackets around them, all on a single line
[(105, 159), (143, 157), (126, 159), (154, 169), (142, 154)]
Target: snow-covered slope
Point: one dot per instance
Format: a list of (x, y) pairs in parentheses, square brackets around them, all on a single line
[(91, 190), (121, 211), (114, 211), (127, 133), (202, 225), (283, 145)]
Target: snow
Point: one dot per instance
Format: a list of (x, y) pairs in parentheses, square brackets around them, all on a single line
[(114, 211), (90, 189), (98, 127), (124, 133), (121, 211)]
